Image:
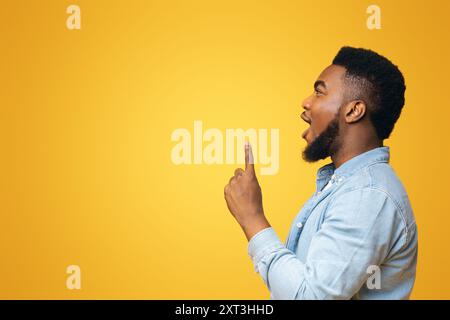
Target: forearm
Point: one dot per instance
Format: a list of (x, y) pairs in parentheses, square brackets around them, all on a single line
[(281, 271)]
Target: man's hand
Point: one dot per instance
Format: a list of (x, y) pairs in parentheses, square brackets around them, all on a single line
[(244, 198)]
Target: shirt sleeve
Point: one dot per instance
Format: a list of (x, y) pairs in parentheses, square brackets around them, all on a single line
[(359, 228)]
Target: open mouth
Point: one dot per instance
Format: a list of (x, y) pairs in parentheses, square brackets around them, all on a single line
[(307, 120)]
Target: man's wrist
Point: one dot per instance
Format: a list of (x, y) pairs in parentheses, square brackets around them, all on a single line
[(255, 225)]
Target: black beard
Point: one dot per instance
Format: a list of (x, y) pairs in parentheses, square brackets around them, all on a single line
[(325, 145)]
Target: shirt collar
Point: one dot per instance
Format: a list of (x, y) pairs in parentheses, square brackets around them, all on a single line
[(325, 173)]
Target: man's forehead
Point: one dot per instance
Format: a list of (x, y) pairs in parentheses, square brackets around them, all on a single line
[(332, 75)]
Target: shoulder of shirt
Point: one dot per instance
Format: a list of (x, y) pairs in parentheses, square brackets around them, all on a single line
[(380, 177)]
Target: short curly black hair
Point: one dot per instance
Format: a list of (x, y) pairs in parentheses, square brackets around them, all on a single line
[(378, 82)]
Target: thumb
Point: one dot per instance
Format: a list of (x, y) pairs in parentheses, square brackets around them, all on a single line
[(249, 160)]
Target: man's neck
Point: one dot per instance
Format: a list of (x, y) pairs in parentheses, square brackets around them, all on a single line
[(351, 150)]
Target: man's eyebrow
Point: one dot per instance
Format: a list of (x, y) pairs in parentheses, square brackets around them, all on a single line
[(319, 83)]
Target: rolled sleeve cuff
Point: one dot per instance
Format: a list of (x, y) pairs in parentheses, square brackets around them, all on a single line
[(264, 242)]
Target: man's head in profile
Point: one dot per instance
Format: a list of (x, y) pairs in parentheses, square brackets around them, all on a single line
[(355, 104)]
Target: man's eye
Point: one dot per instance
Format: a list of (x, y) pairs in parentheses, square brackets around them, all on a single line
[(317, 92)]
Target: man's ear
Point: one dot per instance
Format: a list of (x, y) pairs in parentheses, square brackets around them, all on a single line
[(354, 111)]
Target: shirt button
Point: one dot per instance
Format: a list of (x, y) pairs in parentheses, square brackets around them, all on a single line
[(299, 225)]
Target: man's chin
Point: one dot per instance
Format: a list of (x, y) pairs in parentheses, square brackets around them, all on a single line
[(306, 155), (323, 145), (306, 159), (314, 152)]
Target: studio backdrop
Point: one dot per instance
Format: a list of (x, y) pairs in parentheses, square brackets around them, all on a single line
[(122, 121)]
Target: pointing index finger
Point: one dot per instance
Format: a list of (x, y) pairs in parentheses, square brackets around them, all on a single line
[(249, 160)]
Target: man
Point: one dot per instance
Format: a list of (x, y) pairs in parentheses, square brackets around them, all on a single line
[(356, 237)]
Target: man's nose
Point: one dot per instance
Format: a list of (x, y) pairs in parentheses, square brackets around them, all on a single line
[(306, 104)]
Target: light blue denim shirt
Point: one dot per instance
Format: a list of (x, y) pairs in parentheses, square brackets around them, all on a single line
[(354, 239)]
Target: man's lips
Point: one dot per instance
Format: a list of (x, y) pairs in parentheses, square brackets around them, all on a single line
[(305, 117), (305, 133), (307, 120)]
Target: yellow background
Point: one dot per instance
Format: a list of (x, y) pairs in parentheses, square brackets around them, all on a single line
[(86, 116)]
